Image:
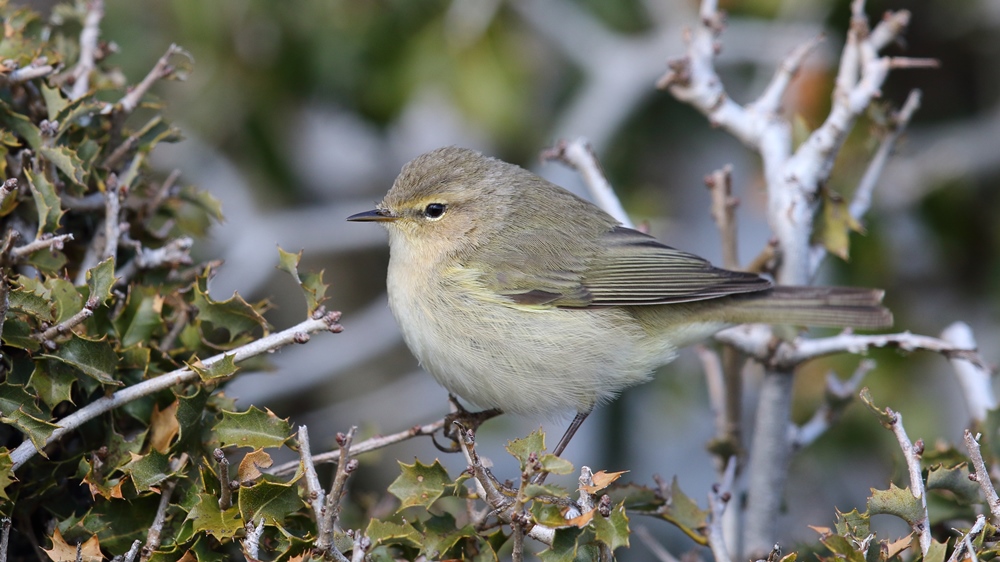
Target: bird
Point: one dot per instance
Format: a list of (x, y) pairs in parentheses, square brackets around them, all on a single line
[(515, 294)]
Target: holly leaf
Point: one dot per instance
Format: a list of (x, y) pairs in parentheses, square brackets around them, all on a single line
[(208, 518), (387, 532), (235, 315), (835, 224), (46, 201), (613, 530), (6, 472), (274, 501), (602, 479), (249, 469), (222, 368), (163, 426), (419, 484), (147, 470), (683, 512), (254, 428), (100, 280), (67, 162), (38, 431), (313, 288), (896, 501), (94, 358), (955, 480), (61, 551), (522, 448)]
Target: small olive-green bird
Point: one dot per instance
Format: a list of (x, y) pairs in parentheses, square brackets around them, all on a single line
[(516, 294)]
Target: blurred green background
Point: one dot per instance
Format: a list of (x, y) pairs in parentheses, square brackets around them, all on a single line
[(299, 113)]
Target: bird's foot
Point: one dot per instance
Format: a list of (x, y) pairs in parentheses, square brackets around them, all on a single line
[(469, 420)]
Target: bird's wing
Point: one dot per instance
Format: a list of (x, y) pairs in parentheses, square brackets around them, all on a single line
[(624, 268)]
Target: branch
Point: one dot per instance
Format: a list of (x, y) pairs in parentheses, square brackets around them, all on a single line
[(225, 489), (66, 325), (838, 396), (345, 467), (973, 378), (37, 69), (579, 155), (326, 322), (112, 226), (770, 100), (88, 48), (370, 444), (912, 455), (982, 474), (718, 498), (162, 69), (965, 543), (154, 536), (720, 184), (251, 544), (45, 241), (4, 537), (315, 493)]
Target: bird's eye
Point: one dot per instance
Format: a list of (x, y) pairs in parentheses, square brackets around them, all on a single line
[(434, 211)]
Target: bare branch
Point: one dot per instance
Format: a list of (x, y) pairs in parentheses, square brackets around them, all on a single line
[(225, 490), (770, 100), (720, 184), (4, 537), (251, 544), (837, 397), (88, 49), (579, 155), (66, 325), (370, 444), (345, 466), (974, 379), (326, 322), (162, 69), (112, 214), (965, 543), (912, 455), (154, 536), (37, 69), (718, 498), (42, 242), (982, 474)]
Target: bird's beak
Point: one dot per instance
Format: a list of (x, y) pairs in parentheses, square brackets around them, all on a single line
[(375, 215)]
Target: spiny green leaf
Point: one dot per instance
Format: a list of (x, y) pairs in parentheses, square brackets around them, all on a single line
[(843, 548), (896, 501), (441, 535), (273, 501), (254, 428), (234, 314), (190, 414), (118, 522), (882, 414), (67, 162), (524, 447), (853, 523), (17, 333), (54, 102), (936, 552), (313, 288), (683, 512), (222, 368), (21, 125), (38, 431), (835, 224), (67, 298), (53, 382), (420, 484), (208, 518), (148, 470), (555, 465), (94, 358), (141, 318), (14, 396), (6, 472), (955, 480), (387, 532), (33, 304), (100, 280), (46, 201), (613, 530)]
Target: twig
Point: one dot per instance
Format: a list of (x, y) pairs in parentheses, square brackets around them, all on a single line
[(156, 529), (647, 538), (756, 341), (720, 184), (37, 69), (982, 474), (965, 543), (173, 253), (771, 99), (112, 226), (88, 49), (718, 498), (130, 555), (42, 242), (325, 322), (315, 493), (67, 325), (345, 467), (370, 444), (161, 69), (251, 544), (838, 397), (579, 155), (912, 455), (973, 378), (4, 537), (9, 186), (225, 491), (361, 545), (714, 377), (489, 490)]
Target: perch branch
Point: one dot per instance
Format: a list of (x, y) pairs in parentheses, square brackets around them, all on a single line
[(325, 322), (579, 155), (982, 474), (88, 49)]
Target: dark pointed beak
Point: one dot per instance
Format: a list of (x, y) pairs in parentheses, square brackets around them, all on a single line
[(375, 215)]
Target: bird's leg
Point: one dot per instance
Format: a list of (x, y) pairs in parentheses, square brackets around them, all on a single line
[(470, 420), (563, 442)]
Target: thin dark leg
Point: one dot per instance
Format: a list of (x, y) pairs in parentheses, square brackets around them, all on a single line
[(563, 442), (570, 432)]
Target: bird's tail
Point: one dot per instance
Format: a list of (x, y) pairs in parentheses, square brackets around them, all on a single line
[(835, 307)]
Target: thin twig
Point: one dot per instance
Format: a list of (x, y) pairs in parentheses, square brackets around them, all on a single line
[(325, 322), (345, 467), (965, 543), (4, 537), (720, 184), (154, 536), (370, 444), (315, 493), (770, 100), (30, 72), (579, 155), (982, 474), (129, 556), (46, 241), (718, 499), (251, 544), (912, 455), (88, 48), (974, 379), (68, 324), (161, 69), (225, 491), (112, 226), (837, 397)]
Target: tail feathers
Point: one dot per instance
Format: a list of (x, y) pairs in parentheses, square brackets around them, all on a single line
[(836, 307)]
